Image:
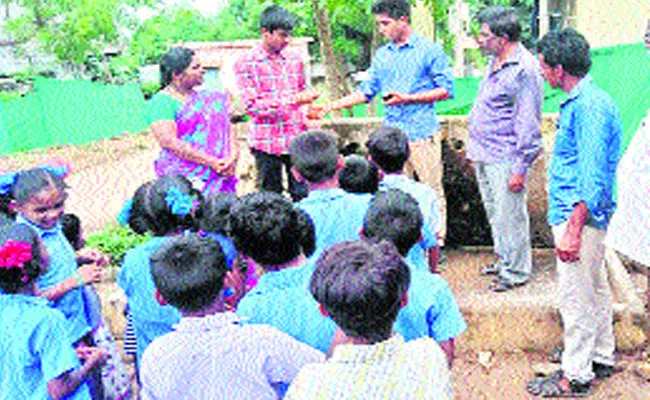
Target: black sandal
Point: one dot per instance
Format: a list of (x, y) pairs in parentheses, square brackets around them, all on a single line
[(556, 385)]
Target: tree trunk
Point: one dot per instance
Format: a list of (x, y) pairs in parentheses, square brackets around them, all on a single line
[(335, 70)]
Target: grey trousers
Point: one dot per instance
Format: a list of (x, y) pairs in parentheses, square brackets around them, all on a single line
[(507, 213)]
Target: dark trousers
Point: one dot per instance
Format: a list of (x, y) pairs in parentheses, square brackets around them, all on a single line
[(269, 174)]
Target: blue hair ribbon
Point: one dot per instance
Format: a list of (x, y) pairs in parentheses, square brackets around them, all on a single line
[(179, 203), (7, 181), (125, 214)]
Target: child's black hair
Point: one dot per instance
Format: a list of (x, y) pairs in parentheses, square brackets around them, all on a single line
[(6, 212), (268, 228), (359, 175), (315, 155), (152, 212), (361, 285), (30, 182), (189, 272), (71, 226), (213, 213), (275, 17), (13, 279), (395, 216), (389, 149)]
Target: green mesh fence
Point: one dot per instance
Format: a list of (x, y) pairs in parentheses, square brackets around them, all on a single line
[(77, 111), (69, 112)]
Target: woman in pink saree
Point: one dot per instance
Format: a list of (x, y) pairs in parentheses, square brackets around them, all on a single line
[(192, 127)]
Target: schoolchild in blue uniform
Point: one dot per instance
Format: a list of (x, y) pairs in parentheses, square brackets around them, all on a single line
[(163, 208), (389, 149), (37, 360), (278, 237), (431, 309), (336, 214)]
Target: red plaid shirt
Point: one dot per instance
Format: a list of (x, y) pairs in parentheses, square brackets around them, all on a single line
[(267, 85)]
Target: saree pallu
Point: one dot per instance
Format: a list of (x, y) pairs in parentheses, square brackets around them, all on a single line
[(203, 121)]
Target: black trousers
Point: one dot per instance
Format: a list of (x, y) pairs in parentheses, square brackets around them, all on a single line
[(269, 174)]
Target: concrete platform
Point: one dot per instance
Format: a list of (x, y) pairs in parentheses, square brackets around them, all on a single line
[(525, 318)]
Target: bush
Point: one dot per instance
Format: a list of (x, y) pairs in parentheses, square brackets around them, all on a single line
[(115, 240)]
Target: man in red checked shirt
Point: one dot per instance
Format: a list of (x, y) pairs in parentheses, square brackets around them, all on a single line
[(272, 86)]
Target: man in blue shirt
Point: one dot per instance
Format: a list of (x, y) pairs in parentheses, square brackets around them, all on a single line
[(413, 73), (581, 202)]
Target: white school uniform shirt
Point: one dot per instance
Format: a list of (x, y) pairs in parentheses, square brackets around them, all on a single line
[(629, 228), (216, 357)]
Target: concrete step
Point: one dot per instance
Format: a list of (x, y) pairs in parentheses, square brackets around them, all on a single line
[(525, 318)]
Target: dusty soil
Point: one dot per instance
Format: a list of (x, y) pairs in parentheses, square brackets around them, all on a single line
[(107, 172)]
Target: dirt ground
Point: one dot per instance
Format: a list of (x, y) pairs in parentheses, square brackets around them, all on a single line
[(105, 173)]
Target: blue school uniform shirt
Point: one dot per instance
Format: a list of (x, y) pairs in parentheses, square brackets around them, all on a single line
[(419, 65), (431, 309), (337, 215), (63, 265), (35, 348), (150, 319), (428, 203), (281, 299), (585, 156)]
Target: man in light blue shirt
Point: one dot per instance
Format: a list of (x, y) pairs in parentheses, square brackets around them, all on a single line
[(581, 202), (412, 73)]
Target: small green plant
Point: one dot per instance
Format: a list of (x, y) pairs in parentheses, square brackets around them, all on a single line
[(115, 240)]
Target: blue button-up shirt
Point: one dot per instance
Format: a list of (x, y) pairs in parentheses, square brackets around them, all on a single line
[(337, 215), (35, 348), (586, 152), (419, 65), (505, 121), (63, 265), (428, 203)]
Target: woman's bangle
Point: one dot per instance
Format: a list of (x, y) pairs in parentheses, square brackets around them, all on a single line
[(79, 280)]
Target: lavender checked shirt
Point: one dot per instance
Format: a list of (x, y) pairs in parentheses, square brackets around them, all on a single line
[(505, 121)]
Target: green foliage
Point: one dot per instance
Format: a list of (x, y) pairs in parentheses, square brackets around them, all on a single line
[(115, 241), (70, 29), (158, 34)]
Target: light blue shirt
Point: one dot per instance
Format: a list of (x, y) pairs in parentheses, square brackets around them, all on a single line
[(63, 265), (585, 156), (428, 203), (431, 309), (150, 319), (281, 299), (35, 348), (337, 215), (419, 65)]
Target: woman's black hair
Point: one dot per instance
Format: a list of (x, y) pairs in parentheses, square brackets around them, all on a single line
[(151, 212), (13, 279), (175, 61), (213, 213), (268, 228), (30, 182)]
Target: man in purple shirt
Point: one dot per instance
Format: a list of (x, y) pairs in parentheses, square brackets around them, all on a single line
[(504, 140)]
